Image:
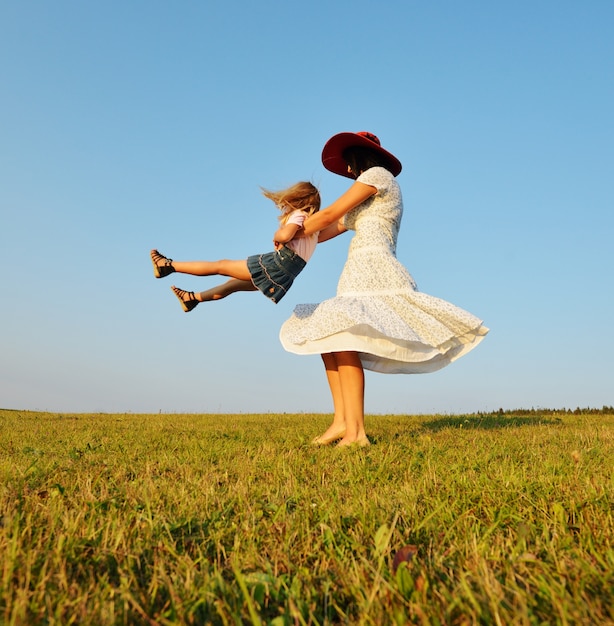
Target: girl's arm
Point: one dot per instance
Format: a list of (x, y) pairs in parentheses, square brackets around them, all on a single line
[(284, 234), (355, 195)]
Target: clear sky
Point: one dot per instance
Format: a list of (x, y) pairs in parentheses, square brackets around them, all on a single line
[(126, 126)]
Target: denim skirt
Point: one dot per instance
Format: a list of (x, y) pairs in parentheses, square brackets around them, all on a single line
[(274, 272)]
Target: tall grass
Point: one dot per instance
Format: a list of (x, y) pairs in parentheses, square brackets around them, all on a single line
[(237, 519)]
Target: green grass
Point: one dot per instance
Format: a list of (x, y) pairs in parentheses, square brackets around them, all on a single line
[(236, 519)]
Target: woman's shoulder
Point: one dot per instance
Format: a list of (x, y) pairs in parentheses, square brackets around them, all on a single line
[(377, 177), (375, 174)]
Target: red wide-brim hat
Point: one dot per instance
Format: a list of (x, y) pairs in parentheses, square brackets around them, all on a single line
[(332, 154)]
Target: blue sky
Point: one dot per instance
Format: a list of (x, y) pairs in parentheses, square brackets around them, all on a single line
[(132, 125)]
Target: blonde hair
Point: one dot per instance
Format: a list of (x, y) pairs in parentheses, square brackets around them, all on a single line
[(302, 196)]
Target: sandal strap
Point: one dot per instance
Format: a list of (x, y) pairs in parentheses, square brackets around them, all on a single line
[(157, 257)]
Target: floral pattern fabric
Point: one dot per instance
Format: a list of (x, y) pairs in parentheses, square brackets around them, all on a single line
[(378, 310)]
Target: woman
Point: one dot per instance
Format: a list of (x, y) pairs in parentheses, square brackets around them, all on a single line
[(378, 320)]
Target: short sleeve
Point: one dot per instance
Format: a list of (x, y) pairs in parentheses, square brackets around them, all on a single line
[(378, 177), (296, 217)]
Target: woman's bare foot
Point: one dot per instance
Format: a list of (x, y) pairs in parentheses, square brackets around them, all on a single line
[(363, 442), (332, 434), (186, 298), (162, 266)]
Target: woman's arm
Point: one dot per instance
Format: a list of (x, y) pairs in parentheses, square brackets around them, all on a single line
[(331, 231), (355, 195)]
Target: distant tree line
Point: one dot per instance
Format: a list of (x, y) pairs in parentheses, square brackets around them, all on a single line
[(605, 410)]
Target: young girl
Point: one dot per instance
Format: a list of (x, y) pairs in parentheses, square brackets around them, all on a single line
[(272, 273)]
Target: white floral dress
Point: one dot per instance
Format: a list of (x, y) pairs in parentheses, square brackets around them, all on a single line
[(378, 311)]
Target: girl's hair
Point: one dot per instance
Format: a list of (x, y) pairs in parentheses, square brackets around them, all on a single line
[(360, 159), (302, 195)]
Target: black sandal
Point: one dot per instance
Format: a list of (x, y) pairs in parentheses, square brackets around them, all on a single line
[(187, 298), (161, 265)]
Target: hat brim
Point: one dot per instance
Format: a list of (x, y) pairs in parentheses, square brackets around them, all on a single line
[(332, 153)]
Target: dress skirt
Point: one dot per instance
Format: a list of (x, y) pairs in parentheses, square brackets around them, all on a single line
[(402, 333)]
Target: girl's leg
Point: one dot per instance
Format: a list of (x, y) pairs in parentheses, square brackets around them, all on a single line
[(224, 267), (190, 299), (352, 379), (164, 266), (225, 289)]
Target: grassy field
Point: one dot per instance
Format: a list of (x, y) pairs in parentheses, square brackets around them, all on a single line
[(237, 519)]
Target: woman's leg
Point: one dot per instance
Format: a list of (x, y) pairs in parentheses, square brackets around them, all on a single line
[(337, 429), (346, 380), (352, 383)]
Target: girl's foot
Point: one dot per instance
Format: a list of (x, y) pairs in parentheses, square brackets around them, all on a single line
[(161, 265), (328, 437), (187, 298)]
